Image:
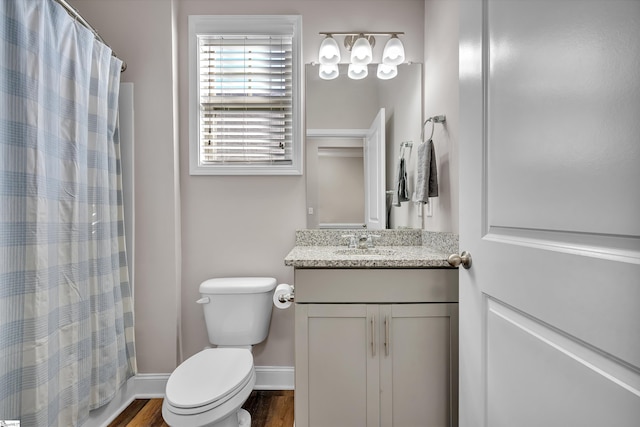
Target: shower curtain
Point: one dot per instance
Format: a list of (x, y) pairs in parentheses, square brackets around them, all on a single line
[(66, 320)]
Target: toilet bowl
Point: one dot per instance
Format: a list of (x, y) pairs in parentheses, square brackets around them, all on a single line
[(210, 387)]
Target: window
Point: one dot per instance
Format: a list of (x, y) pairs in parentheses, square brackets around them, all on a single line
[(245, 95)]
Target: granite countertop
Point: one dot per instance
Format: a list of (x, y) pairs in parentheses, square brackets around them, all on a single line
[(395, 249)]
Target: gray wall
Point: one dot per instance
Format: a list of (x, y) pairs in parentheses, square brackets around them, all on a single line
[(441, 96)]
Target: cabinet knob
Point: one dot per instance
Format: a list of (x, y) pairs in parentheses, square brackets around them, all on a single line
[(464, 258)]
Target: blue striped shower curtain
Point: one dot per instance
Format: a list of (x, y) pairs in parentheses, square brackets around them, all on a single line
[(66, 320)]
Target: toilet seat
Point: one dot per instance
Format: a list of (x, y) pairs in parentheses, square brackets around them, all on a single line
[(208, 379)]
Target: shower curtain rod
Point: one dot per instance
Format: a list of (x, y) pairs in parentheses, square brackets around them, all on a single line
[(76, 15)]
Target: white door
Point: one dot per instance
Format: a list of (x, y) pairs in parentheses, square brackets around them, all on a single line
[(550, 212), (374, 174)]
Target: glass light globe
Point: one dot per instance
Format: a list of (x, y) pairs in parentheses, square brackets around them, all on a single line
[(361, 53), (328, 71), (329, 53), (393, 53), (386, 72), (357, 72)]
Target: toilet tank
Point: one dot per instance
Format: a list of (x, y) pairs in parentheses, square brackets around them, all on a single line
[(238, 310)]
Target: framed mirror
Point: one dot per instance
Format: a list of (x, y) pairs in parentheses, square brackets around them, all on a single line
[(344, 189)]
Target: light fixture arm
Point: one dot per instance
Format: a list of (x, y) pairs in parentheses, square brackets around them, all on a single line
[(357, 33), (351, 39)]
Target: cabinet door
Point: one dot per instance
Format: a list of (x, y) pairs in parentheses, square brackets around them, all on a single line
[(415, 365), (337, 360)]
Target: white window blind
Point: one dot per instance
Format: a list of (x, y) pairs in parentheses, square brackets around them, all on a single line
[(245, 91), (245, 95)]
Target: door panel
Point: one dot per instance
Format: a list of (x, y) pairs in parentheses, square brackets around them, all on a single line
[(341, 389), (566, 383), (562, 116), (550, 310), (416, 371), (374, 174)]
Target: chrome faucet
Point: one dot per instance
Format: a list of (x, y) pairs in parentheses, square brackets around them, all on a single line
[(366, 241)]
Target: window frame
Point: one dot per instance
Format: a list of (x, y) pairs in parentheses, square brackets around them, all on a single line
[(246, 25)]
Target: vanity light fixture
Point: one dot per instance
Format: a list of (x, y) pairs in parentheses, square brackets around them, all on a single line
[(329, 51), (393, 53), (360, 44)]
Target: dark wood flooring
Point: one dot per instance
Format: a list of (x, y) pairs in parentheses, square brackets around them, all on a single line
[(267, 409)]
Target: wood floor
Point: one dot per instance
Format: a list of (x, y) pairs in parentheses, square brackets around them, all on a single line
[(267, 409)]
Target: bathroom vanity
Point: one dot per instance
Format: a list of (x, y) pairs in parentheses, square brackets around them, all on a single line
[(375, 331)]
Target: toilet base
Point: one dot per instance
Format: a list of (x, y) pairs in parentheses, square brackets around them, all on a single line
[(242, 418)]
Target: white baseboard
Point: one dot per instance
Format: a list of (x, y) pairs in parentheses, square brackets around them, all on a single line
[(274, 378), (150, 386)]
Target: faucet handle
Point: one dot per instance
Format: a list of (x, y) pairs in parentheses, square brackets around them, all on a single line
[(352, 239), (370, 239)]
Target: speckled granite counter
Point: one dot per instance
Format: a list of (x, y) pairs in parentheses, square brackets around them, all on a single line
[(394, 249)]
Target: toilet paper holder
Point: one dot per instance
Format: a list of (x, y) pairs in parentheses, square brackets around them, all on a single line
[(287, 297), (283, 296)]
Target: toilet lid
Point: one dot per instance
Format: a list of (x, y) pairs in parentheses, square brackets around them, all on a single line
[(208, 376)]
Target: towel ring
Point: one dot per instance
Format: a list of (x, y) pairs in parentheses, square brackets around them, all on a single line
[(433, 120)]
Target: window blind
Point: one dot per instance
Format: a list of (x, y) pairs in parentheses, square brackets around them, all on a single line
[(246, 99)]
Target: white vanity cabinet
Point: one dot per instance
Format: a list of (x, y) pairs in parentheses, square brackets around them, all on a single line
[(375, 347)]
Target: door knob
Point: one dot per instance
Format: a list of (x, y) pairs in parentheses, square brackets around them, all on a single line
[(464, 258)]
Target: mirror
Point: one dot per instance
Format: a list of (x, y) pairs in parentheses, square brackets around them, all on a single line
[(339, 113)]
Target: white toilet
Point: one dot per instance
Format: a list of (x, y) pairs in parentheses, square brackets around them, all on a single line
[(210, 387)]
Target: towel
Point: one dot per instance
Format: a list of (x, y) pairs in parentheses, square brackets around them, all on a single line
[(427, 176), (402, 190)]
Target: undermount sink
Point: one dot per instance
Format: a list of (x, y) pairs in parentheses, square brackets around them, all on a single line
[(365, 252)]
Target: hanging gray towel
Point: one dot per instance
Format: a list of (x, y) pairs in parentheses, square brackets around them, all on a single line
[(402, 190), (427, 176)]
